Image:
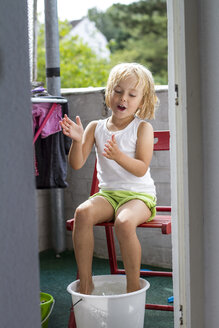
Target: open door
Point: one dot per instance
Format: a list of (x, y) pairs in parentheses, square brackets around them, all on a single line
[(186, 162)]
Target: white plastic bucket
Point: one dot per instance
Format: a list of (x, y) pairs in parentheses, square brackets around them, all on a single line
[(109, 311)]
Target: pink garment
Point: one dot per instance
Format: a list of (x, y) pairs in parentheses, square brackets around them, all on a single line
[(39, 112)]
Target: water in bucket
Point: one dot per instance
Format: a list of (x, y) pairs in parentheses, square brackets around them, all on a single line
[(106, 288), (109, 306)]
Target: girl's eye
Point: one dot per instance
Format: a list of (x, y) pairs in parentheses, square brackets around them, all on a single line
[(117, 91), (131, 95)]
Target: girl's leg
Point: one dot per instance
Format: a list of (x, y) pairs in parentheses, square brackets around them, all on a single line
[(128, 217), (91, 212)]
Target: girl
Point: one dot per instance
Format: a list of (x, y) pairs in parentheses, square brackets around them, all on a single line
[(124, 148)]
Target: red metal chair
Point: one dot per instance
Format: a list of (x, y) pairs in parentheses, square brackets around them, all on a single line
[(162, 222)]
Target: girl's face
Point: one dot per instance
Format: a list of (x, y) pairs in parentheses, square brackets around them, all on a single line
[(126, 98)]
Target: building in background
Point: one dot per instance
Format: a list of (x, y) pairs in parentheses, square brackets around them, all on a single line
[(86, 31)]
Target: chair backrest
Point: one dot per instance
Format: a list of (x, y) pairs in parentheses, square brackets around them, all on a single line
[(161, 142)]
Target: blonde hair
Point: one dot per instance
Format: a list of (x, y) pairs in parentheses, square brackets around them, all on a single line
[(145, 79)]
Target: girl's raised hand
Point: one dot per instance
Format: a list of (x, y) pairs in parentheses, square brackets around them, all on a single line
[(71, 129), (111, 149)]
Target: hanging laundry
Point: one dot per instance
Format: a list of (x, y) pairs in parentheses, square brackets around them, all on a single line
[(51, 146), (39, 112)]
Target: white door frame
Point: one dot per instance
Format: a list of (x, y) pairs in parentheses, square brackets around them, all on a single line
[(186, 177)]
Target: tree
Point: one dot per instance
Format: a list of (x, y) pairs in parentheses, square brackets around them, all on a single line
[(137, 32), (79, 65)]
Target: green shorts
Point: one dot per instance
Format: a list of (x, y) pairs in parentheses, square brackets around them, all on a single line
[(119, 197)]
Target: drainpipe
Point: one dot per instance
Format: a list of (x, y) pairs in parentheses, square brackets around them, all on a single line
[(54, 89), (52, 48)]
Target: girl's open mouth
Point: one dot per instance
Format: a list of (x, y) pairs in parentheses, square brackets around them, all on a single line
[(120, 107)]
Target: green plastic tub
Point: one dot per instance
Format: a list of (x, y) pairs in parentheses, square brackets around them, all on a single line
[(46, 305)]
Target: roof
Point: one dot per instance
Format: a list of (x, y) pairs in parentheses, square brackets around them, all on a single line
[(75, 22)]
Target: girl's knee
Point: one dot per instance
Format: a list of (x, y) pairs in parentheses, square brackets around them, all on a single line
[(124, 228), (83, 215)]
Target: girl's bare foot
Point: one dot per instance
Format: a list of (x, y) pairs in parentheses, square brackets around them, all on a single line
[(85, 288), (133, 287), (133, 290)]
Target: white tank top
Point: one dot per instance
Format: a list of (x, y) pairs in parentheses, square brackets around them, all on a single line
[(111, 175)]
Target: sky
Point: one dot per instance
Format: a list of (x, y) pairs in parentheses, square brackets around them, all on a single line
[(73, 9)]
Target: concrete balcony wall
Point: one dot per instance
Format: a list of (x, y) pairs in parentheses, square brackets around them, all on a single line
[(89, 105)]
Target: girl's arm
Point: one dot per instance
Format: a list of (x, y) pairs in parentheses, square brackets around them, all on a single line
[(144, 151), (82, 140)]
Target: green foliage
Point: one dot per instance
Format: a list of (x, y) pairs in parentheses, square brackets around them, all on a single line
[(41, 55), (136, 32), (79, 65)]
